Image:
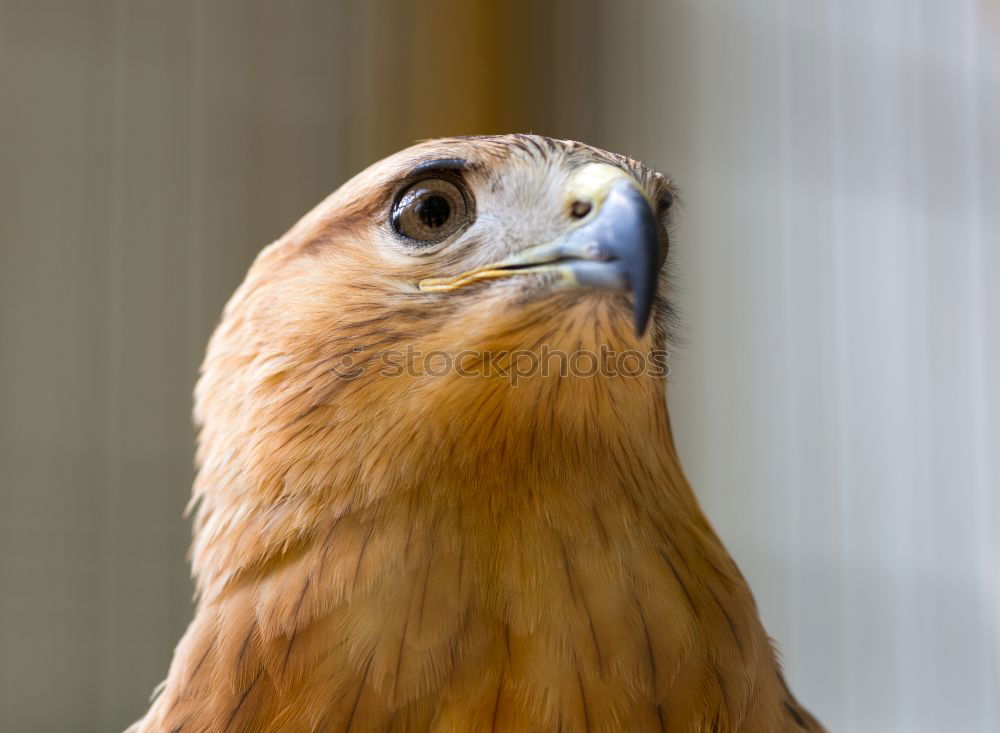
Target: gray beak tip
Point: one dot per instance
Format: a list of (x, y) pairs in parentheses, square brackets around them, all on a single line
[(636, 246)]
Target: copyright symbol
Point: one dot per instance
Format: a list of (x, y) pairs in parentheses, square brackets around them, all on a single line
[(346, 368)]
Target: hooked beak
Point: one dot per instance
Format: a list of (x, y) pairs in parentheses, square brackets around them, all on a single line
[(614, 248)]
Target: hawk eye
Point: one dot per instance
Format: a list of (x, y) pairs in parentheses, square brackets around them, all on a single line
[(430, 210)]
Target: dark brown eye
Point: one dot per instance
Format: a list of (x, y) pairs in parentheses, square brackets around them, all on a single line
[(430, 210)]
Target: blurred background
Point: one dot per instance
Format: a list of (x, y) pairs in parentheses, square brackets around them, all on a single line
[(836, 397)]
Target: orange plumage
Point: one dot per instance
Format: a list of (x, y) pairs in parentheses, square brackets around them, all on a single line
[(418, 551)]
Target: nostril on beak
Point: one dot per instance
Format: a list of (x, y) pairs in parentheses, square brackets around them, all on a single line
[(580, 208)]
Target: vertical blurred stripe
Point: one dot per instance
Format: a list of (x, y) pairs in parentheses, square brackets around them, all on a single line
[(450, 67), (433, 73)]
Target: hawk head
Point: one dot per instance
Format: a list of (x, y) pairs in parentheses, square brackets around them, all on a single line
[(487, 304)]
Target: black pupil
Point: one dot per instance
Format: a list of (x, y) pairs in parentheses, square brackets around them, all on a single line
[(433, 211)]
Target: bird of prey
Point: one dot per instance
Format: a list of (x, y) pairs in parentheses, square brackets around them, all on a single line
[(393, 533)]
